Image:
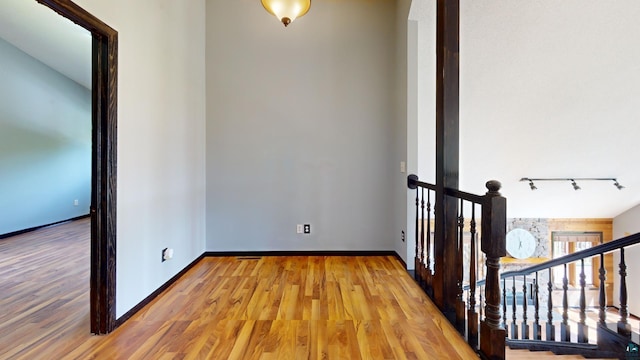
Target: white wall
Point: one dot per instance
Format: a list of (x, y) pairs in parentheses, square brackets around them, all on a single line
[(423, 12), (421, 103), (626, 224), (300, 127), (161, 142)]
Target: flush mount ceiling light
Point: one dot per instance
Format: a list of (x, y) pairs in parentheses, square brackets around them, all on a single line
[(287, 10), (572, 180)]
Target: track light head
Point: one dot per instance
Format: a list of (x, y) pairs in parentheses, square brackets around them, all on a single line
[(533, 187), (575, 186), (617, 184)]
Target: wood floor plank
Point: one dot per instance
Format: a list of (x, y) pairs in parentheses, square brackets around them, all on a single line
[(302, 307)]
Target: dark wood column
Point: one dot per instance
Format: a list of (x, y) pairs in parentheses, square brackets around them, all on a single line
[(447, 151)]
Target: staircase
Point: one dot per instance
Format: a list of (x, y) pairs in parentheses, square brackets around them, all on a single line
[(535, 322), (514, 312), (540, 355)]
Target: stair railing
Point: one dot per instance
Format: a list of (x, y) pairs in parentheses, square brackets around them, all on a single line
[(481, 324), (612, 339)]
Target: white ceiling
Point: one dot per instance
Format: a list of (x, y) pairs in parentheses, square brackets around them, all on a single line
[(548, 89), (48, 37)]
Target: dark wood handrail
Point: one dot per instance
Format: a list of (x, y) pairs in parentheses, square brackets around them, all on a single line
[(478, 199), (413, 182), (481, 325), (596, 250)]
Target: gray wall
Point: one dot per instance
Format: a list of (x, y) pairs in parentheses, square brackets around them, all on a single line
[(45, 143), (301, 127), (161, 126)]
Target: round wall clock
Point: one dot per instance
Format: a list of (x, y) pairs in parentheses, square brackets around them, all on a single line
[(521, 244)]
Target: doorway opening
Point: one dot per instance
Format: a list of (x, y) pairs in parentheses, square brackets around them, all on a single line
[(103, 162)]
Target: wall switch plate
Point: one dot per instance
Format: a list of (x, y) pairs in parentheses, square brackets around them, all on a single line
[(299, 229), (75, 202), (307, 228), (403, 167)]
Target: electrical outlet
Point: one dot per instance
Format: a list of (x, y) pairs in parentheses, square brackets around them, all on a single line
[(402, 236), (167, 254), (75, 202), (307, 228), (299, 229)]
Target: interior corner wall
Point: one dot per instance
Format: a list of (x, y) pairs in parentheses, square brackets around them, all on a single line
[(400, 135), (45, 143), (412, 134), (161, 141), (623, 225), (300, 127), (426, 58), (421, 104)]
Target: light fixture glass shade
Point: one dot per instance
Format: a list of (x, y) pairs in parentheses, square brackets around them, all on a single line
[(287, 10)]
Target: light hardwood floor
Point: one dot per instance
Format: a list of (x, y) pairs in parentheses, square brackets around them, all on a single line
[(223, 308), (44, 289)]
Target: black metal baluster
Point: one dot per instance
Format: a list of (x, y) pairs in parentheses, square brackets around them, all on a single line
[(417, 239), (428, 265), (423, 274), (583, 330), (460, 306), (603, 293), (472, 315), (565, 329), (551, 329), (623, 325), (481, 308), (537, 329), (525, 326), (514, 325), (504, 303)]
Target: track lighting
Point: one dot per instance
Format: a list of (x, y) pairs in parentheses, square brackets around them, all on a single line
[(617, 184), (575, 186), (572, 181)]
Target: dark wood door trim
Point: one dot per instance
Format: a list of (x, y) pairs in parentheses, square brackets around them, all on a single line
[(104, 151)]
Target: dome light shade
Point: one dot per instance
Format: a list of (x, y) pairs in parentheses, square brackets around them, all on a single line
[(287, 10)]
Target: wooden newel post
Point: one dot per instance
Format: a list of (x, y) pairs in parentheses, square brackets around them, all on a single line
[(494, 225)]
